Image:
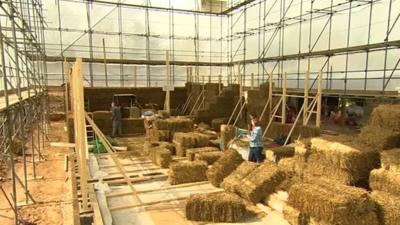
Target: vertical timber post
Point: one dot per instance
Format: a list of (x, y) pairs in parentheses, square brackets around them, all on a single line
[(305, 103)]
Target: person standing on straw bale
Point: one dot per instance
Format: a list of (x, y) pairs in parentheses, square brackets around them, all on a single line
[(254, 134), (116, 118)]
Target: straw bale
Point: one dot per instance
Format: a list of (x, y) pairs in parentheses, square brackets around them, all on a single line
[(334, 203), (385, 180), (215, 207), (184, 141), (187, 172), (261, 182), (217, 122), (379, 138), (148, 145), (341, 158), (294, 216), (224, 166), (364, 220), (160, 156), (161, 124), (190, 152), (279, 153), (388, 207), (231, 182), (386, 116), (209, 157), (101, 115), (302, 148), (390, 159), (294, 171), (163, 157), (228, 132), (164, 114)]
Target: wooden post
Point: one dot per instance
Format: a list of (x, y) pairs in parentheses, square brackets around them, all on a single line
[(66, 92), (167, 86), (284, 76), (135, 75), (191, 74), (305, 103), (219, 84), (187, 74), (80, 129), (270, 94), (105, 62), (319, 100), (252, 81)]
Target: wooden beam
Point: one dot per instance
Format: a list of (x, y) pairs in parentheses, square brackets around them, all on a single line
[(80, 129), (168, 84), (319, 100), (283, 109), (305, 103)]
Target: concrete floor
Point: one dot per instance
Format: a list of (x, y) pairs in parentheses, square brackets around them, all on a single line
[(170, 212)]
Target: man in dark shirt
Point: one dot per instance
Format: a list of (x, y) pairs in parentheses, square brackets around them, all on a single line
[(116, 117)]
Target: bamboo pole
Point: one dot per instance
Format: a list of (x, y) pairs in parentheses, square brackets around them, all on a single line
[(283, 119), (105, 62), (319, 100)]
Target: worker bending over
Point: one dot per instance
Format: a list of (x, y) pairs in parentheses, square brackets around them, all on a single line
[(255, 139), (116, 118)]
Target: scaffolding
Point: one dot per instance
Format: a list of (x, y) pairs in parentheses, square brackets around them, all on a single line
[(264, 37), (23, 101)]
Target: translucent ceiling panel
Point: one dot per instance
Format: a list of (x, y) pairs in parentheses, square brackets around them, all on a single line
[(105, 18), (75, 10), (159, 23), (133, 21), (134, 47)]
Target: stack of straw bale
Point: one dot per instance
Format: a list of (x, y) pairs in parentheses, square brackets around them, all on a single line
[(217, 122), (148, 145), (383, 129), (228, 132), (209, 157), (160, 156), (190, 152), (385, 183), (294, 171), (235, 179), (332, 203), (388, 207), (279, 153), (261, 182), (187, 172), (164, 129), (215, 207), (184, 141), (224, 166), (341, 159)]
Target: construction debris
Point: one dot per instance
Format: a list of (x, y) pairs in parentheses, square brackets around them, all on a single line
[(333, 203), (187, 172), (215, 207), (209, 157), (388, 207), (231, 182), (385, 180), (224, 166), (261, 182)]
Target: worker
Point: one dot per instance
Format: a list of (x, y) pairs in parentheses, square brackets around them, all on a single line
[(255, 139), (116, 118)]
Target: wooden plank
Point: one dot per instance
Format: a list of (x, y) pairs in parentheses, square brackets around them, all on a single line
[(128, 206), (108, 148), (319, 100), (305, 103), (111, 195), (283, 107), (80, 129)]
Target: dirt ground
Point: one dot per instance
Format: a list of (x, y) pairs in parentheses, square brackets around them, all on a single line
[(52, 192)]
